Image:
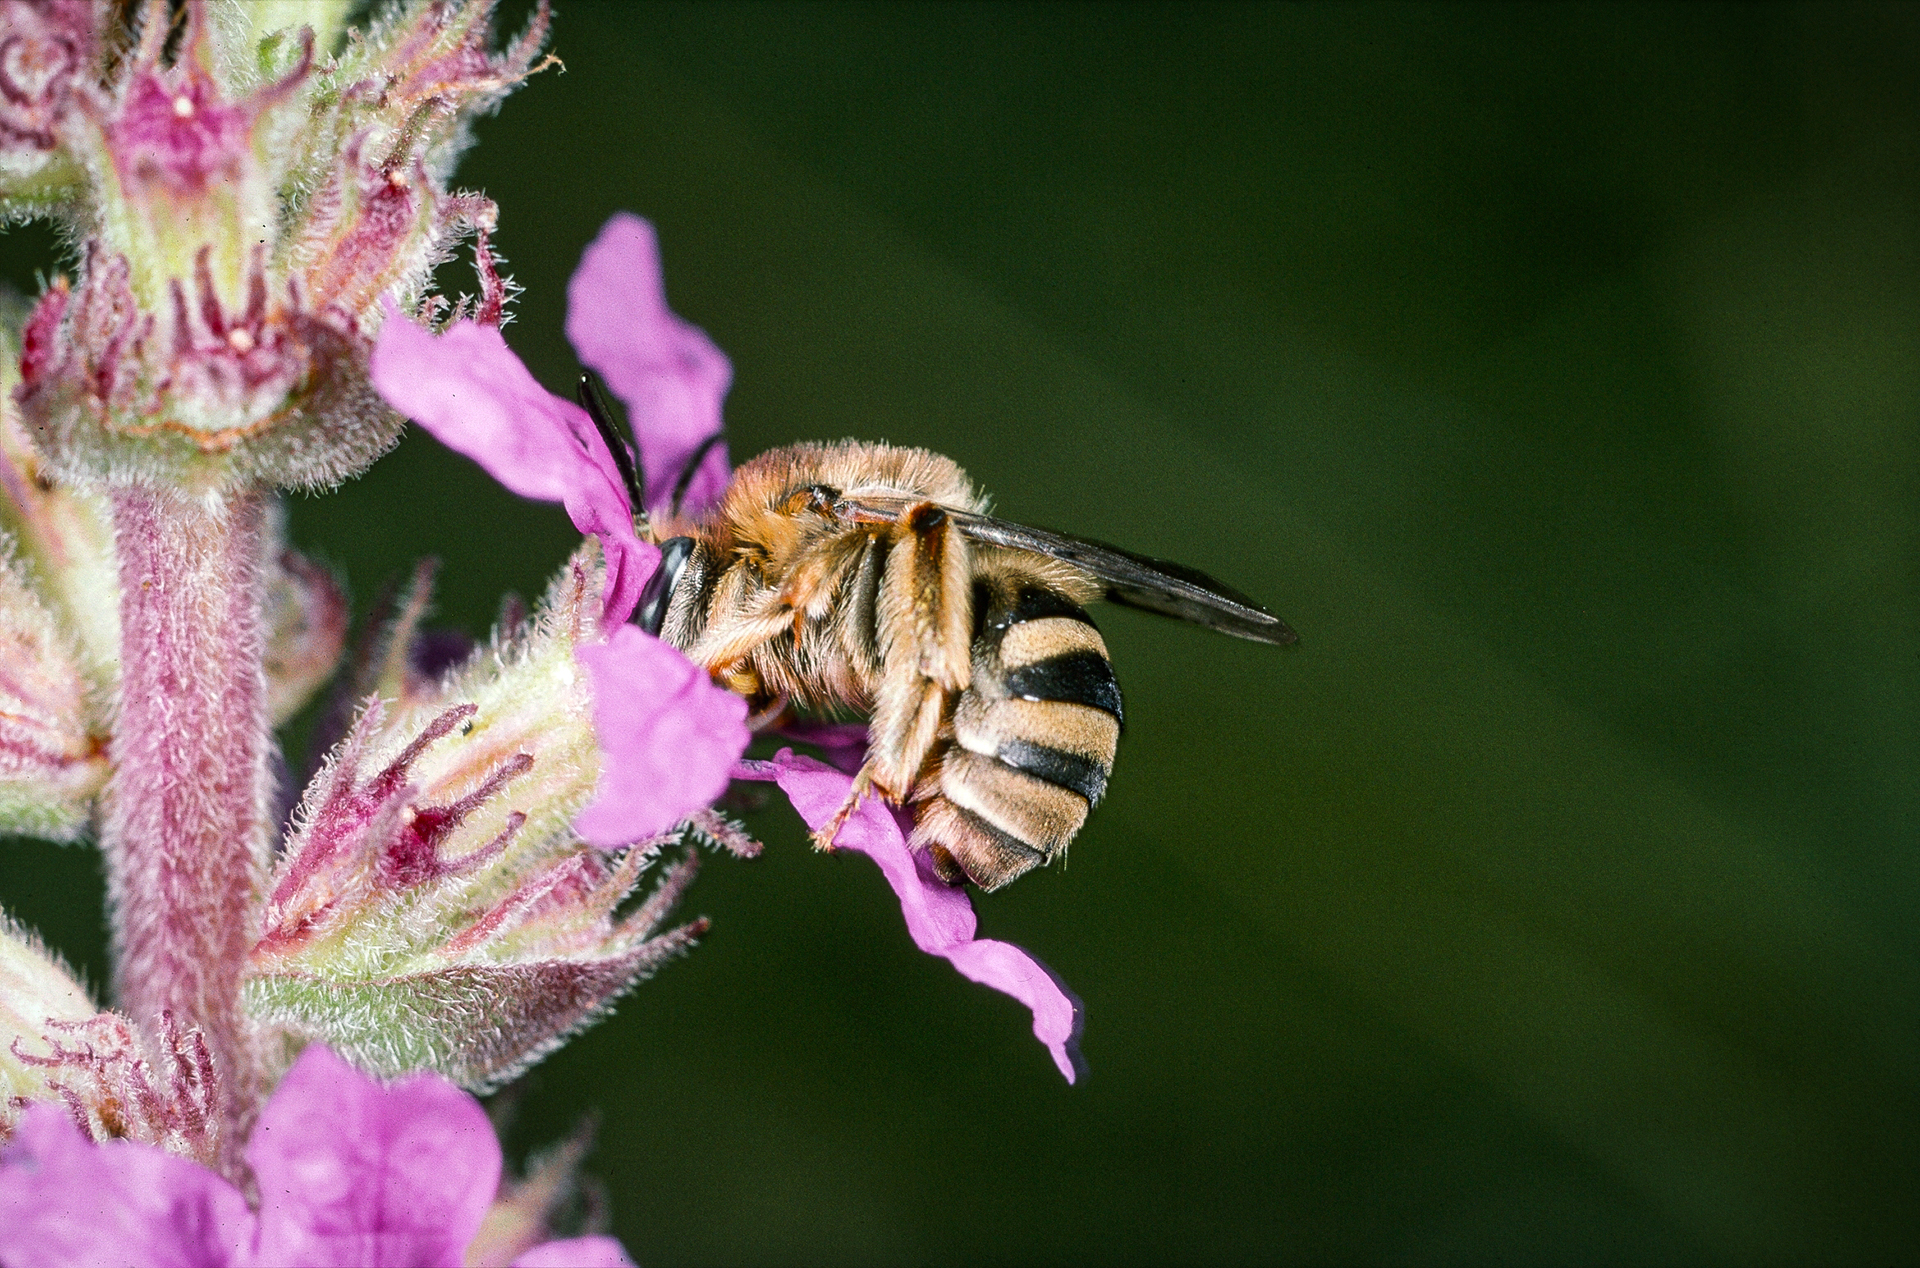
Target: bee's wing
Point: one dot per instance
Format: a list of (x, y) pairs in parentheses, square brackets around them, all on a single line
[(1136, 581)]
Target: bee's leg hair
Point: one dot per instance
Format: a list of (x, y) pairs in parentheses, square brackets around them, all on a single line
[(926, 636), (739, 639)]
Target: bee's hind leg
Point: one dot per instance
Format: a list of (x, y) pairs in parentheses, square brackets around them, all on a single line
[(862, 785)]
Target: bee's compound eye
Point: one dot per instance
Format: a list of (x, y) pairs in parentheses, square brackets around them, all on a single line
[(655, 599)]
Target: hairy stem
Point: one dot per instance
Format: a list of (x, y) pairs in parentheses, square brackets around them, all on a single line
[(186, 830)]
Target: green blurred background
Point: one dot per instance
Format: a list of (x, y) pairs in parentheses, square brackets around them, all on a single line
[(1555, 371)]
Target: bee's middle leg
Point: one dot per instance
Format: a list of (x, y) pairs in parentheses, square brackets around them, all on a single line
[(925, 631)]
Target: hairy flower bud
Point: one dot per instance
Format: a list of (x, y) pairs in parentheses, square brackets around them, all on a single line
[(37, 994), (114, 1083), (50, 53), (306, 619), (434, 907), (64, 534), (52, 753), (251, 194)]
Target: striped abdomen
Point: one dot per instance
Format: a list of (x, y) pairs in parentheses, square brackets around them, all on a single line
[(1033, 740)]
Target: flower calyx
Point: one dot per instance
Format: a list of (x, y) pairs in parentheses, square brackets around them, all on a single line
[(113, 1082), (434, 907), (249, 196), (51, 53)]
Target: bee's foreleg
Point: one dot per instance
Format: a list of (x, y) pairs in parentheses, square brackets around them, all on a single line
[(719, 649)]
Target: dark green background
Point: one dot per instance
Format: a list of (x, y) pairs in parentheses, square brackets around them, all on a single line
[(1554, 370)]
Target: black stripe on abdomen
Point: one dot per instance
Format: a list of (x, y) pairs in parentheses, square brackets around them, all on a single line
[(1071, 771), (1077, 678), (1034, 603), (1000, 843)]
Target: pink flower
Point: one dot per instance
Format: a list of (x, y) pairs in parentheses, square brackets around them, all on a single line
[(474, 395), (668, 372), (666, 734), (939, 917), (656, 711), (351, 1173), (467, 388)]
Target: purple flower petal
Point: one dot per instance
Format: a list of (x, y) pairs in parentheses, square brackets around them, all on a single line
[(470, 391), (65, 1200), (576, 1252), (939, 917), (844, 743), (668, 372), (668, 737), (352, 1172)]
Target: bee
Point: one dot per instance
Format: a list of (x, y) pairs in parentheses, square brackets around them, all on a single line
[(869, 578)]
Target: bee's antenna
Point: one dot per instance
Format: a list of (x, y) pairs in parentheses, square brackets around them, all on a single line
[(692, 468), (588, 394)]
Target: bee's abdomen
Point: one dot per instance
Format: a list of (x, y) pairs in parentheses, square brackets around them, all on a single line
[(1075, 772), (1033, 742)]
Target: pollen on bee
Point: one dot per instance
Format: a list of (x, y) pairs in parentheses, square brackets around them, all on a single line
[(240, 339), (183, 107)]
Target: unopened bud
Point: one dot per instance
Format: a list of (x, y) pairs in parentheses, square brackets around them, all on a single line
[(50, 53), (115, 1082), (37, 995), (433, 908)]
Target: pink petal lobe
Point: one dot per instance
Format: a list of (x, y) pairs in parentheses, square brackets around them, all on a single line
[(576, 1252), (354, 1172), (667, 371), (65, 1200), (668, 737), (475, 396), (939, 917), (630, 561), (472, 394), (844, 743)]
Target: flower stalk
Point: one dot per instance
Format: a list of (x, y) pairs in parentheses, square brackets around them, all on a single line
[(186, 828)]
